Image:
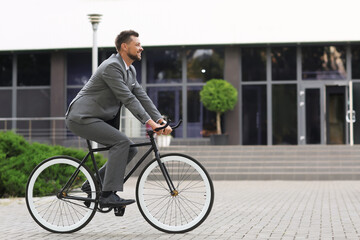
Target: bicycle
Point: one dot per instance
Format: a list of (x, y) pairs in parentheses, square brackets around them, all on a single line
[(174, 192)]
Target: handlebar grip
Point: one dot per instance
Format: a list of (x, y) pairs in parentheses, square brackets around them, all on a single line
[(161, 128), (167, 124), (177, 125)]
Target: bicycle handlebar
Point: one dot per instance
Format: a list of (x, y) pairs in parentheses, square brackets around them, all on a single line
[(167, 124)]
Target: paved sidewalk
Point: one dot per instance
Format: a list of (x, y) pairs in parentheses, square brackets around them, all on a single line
[(242, 210)]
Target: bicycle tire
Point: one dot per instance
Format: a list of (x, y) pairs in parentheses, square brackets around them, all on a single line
[(55, 214), (183, 212)]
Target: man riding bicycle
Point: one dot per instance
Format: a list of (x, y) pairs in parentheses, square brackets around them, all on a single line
[(95, 112)]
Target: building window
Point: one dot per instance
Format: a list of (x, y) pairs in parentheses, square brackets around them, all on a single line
[(283, 63), (253, 62), (40, 103), (33, 69), (355, 64), (324, 63), (33, 103), (254, 109), (163, 66), (78, 67), (5, 109), (312, 116), (284, 114), (71, 94), (356, 107), (5, 70), (169, 103), (201, 122), (204, 64)]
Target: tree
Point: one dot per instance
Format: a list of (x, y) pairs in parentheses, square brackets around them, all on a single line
[(218, 96)]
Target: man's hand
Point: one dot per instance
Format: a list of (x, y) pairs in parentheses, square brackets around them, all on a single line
[(167, 130), (154, 125)]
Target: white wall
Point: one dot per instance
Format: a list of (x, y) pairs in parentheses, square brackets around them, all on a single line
[(49, 24)]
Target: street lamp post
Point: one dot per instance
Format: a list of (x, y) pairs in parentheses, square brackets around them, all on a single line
[(95, 20)]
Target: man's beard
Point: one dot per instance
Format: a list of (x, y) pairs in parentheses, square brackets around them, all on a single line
[(134, 57)]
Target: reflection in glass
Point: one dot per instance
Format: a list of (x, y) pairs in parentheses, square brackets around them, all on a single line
[(283, 63), (335, 118), (79, 67), (355, 62), (169, 102), (163, 66), (284, 111), (324, 63), (201, 122), (33, 69), (5, 70), (204, 64), (312, 115), (253, 62), (254, 122)]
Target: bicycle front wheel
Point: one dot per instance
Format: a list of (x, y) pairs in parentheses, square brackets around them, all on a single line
[(68, 212), (185, 208)]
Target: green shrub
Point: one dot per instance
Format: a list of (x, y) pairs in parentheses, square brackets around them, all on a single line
[(218, 96), (18, 158)]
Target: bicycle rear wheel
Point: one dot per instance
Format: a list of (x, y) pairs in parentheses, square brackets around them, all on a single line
[(60, 214), (187, 207)]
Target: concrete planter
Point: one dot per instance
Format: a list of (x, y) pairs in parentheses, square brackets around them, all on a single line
[(164, 140), (219, 139)]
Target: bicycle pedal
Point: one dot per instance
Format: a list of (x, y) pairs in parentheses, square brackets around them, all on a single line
[(119, 211)]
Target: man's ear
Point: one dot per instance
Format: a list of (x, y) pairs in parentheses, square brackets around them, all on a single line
[(124, 46)]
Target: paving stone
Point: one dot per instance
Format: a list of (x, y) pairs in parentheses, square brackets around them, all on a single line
[(242, 210)]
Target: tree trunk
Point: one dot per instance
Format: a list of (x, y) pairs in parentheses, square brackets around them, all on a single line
[(218, 123)]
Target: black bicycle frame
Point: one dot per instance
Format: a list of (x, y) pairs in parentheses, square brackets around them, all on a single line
[(91, 152)]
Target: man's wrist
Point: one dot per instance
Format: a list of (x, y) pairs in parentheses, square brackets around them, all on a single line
[(151, 123)]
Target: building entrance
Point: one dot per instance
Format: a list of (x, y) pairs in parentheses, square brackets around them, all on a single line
[(322, 114)]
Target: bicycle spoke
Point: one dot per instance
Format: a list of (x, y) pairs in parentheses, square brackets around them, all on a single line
[(185, 209), (158, 203)]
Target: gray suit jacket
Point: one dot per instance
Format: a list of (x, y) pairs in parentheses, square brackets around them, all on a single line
[(110, 87)]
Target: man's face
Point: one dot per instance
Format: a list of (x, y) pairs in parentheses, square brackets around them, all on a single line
[(134, 49)]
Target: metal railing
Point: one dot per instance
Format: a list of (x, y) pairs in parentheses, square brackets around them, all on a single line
[(36, 128), (52, 130)]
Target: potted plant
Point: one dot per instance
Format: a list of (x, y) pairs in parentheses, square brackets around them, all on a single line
[(218, 96)]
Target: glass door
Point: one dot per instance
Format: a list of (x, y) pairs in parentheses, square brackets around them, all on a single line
[(335, 114), (312, 114), (254, 122), (322, 114)]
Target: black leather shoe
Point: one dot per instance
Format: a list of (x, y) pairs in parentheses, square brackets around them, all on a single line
[(114, 200)]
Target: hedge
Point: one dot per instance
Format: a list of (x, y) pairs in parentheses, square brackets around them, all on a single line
[(19, 157)]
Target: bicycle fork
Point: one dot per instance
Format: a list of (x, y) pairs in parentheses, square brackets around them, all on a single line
[(164, 171)]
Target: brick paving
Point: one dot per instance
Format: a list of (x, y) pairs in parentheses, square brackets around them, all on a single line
[(242, 210)]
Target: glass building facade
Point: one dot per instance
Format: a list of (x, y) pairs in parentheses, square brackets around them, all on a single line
[(288, 94)]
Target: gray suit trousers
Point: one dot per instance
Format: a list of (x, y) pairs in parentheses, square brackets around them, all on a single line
[(120, 152)]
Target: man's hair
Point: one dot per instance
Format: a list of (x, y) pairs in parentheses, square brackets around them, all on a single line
[(124, 37)]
